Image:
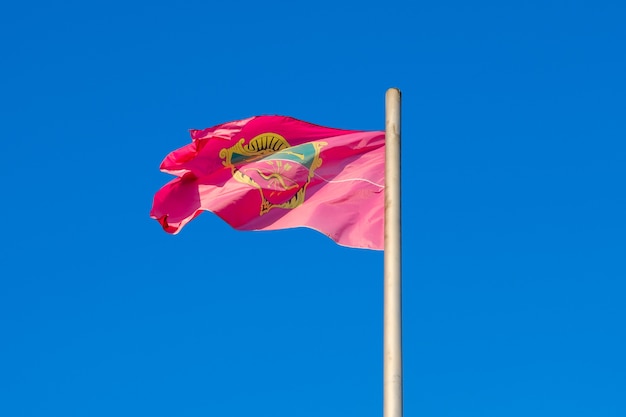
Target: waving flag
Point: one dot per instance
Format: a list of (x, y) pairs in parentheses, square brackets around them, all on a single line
[(277, 172)]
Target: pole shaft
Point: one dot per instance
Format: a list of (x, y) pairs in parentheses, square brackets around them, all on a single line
[(392, 361)]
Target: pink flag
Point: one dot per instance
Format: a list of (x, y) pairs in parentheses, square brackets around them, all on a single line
[(277, 172)]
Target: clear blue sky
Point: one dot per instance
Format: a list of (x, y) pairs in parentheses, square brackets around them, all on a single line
[(514, 225)]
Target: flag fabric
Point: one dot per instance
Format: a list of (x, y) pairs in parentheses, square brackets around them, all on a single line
[(277, 172)]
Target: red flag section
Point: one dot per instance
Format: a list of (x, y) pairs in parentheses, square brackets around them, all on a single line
[(277, 172)]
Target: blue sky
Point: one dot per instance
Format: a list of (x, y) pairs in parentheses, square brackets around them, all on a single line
[(514, 156)]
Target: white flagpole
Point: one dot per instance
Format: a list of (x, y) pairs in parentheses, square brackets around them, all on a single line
[(392, 332)]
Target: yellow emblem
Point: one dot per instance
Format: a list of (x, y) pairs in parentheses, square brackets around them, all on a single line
[(279, 171)]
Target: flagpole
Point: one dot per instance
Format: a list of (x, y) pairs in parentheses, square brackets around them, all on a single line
[(392, 332)]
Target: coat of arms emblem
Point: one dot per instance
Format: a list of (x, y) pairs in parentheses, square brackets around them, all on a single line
[(279, 171)]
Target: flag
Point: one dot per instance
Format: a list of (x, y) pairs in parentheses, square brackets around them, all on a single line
[(277, 172)]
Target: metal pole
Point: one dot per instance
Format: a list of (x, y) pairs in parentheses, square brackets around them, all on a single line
[(392, 361)]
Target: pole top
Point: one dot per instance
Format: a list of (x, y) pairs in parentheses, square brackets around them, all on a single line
[(394, 91)]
